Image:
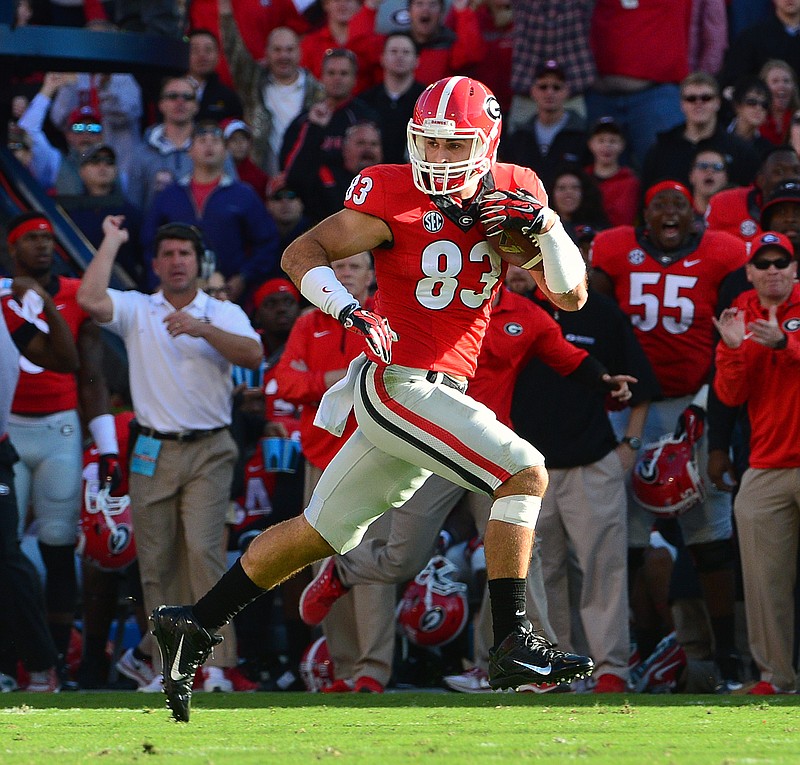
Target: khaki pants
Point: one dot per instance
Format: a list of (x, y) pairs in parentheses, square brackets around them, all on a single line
[(179, 524)]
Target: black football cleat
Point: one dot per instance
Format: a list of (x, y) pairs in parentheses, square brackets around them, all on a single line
[(527, 658), (184, 646)]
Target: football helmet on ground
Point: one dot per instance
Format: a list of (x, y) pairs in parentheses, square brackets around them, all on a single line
[(454, 108), (316, 666)]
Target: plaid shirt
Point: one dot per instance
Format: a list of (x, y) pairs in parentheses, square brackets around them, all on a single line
[(557, 30)]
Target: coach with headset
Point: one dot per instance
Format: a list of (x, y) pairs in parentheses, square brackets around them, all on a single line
[(181, 344)]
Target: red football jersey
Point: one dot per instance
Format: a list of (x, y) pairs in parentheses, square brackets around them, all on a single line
[(670, 304), (437, 280), (39, 390), (735, 211)]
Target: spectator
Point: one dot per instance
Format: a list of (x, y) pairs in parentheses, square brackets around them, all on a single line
[(642, 53), (393, 99), (101, 196), (164, 156), (239, 145), (155, 17), (547, 31), (274, 93), (751, 104), (771, 37), (322, 187), (444, 50), (496, 22), (348, 25), (619, 185), (286, 209), (666, 276), (709, 175), (216, 101), (21, 594), (738, 210), (83, 129), (553, 135), (234, 222), (577, 200), (781, 211), (181, 344), (46, 428), (756, 367), (708, 36), (781, 80), (321, 129), (671, 155), (21, 146), (117, 98), (793, 139)]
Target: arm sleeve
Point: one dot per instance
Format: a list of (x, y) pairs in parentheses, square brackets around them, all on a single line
[(730, 381), (296, 385), (244, 69)]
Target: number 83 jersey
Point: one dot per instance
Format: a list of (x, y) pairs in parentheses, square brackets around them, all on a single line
[(670, 297), (438, 275)]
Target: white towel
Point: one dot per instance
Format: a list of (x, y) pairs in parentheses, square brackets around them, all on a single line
[(337, 402)]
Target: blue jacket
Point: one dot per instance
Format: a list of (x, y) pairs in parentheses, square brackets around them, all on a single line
[(235, 225)]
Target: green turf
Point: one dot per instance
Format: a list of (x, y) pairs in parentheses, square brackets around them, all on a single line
[(111, 728)]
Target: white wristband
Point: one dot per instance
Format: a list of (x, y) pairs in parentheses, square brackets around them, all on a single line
[(324, 290), (104, 434), (564, 268)]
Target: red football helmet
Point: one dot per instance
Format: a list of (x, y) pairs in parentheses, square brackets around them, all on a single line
[(105, 530), (316, 666), (666, 480), (433, 609), (454, 108)]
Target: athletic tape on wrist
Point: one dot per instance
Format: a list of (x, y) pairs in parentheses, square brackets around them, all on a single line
[(324, 290), (104, 434), (564, 268), (519, 509)]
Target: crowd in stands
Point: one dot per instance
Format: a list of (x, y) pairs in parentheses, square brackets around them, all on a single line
[(667, 137)]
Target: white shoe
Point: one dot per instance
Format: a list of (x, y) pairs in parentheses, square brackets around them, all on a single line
[(214, 680), (141, 672), (474, 680), (7, 683), (154, 686), (45, 681)]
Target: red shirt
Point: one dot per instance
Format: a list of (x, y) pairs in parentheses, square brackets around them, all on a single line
[(768, 381), (201, 192), (436, 282), (621, 195), (736, 211), (41, 391), (670, 304), (519, 330)]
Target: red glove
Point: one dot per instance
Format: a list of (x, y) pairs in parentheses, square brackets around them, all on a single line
[(109, 470), (518, 210), (373, 327)]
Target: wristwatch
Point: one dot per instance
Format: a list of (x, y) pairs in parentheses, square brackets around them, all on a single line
[(634, 442)]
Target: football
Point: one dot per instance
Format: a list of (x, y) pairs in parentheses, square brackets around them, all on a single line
[(515, 248)]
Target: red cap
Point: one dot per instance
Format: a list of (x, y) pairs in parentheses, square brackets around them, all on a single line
[(84, 114), (657, 188), (275, 285), (771, 240)]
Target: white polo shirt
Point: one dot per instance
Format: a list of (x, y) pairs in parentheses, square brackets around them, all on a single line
[(177, 383)]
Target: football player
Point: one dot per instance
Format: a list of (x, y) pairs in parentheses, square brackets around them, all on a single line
[(46, 428), (431, 227)]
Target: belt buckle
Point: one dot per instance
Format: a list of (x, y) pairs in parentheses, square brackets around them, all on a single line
[(183, 436)]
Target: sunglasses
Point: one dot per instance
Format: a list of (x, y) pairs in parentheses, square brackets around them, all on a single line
[(215, 131), (550, 86), (781, 264), (101, 161), (18, 147), (284, 195), (755, 102), (716, 166), (172, 96), (86, 127), (694, 98)]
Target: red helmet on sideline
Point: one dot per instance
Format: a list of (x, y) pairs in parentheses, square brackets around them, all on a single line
[(316, 666)]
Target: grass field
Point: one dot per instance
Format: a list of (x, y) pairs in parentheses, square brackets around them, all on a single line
[(113, 728)]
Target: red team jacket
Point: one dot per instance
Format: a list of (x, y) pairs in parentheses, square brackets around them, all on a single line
[(736, 211), (41, 391), (438, 278), (768, 381), (670, 304)]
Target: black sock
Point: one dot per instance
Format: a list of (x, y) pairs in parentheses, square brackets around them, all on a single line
[(507, 599), (724, 628), (226, 598)]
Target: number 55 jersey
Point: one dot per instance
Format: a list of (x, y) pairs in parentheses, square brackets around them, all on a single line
[(670, 297), (439, 274)]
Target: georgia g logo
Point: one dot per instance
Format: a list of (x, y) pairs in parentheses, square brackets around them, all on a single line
[(431, 619), (791, 325), (119, 540), (492, 107), (513, 328)]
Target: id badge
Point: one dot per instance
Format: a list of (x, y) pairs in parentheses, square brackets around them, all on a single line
[(145, 455)]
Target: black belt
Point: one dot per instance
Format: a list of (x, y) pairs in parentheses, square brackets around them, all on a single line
[(441, 377), (182, 435)]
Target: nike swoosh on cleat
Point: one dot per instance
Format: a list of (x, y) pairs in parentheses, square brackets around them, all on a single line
[(545, 670), (174, 671), (519, 613), (659, 674)]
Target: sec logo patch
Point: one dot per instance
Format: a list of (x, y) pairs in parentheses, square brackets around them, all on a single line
[(636, 257), (748, 227), (433, 221)]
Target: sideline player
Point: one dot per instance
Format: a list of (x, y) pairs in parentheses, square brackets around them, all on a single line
[(427, 225)]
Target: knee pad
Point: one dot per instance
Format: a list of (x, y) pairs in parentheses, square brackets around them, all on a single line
[(519, 509), (712, 556)]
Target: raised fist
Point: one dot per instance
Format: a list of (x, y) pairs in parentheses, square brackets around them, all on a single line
[(372, 327)]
